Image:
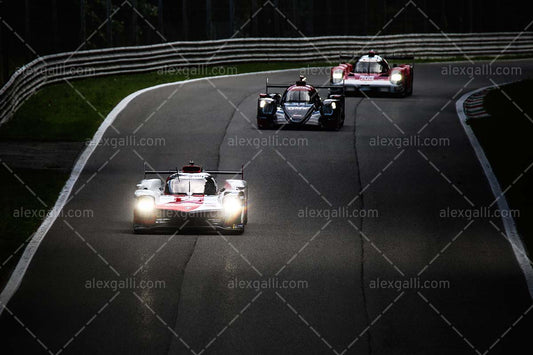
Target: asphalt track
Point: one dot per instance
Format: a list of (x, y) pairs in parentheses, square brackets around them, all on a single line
[(197, 310)]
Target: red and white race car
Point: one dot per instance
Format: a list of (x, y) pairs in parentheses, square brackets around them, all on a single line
[(190, 197), (372, 73)]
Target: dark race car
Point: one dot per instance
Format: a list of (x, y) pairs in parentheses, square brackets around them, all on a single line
[(300, 104), (373, 74)]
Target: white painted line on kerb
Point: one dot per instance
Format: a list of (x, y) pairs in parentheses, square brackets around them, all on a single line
[(22, 266), (507, 219)]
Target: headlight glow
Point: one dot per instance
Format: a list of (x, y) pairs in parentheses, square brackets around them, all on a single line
[(333, 105), (145, 204), (232, 206), (337, 75), (396, 77), (262, 103)]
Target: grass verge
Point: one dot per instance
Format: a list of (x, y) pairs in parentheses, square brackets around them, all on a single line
[(62, 113), (507, 139)]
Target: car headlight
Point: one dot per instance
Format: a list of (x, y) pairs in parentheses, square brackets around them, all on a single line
[(337, 76), (262, 103), (145, 204), (333, 105), (232, 206), (396, 77)]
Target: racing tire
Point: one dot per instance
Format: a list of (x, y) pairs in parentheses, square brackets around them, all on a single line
[(262, 125), (138, 230), (239, 230), (336, 126), (410, 92), (404, 93), (236, 231)]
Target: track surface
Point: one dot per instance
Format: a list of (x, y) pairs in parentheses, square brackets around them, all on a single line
[(198, 311)]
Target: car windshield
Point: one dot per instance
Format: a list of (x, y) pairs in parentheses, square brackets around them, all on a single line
[(298, 96), (186, 186), (368, 67)]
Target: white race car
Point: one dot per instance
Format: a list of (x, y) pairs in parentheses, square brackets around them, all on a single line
[(190, 197)]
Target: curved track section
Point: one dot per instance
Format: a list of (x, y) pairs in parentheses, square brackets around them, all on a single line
[(384, 201)]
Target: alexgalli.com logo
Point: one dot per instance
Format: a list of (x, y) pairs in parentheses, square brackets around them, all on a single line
[(413, 141), (128, 141), (339, 212), (412, 283), (481, 212), (128, 283), (22, 212), (480, 70), (271, 283), (268, 141)]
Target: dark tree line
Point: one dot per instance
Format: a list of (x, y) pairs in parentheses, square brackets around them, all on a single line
[(51, 26)]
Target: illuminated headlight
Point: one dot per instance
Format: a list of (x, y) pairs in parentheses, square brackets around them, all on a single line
[(337, 76), (333, 105), (396, 77), (145, 204), (262, 103), (232, 206)]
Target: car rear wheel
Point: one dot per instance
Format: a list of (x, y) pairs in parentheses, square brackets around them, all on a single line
[(333, 126), (138, 230), (261, 124), (235, 231)]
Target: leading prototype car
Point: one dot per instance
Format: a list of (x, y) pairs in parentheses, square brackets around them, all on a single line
[(372, 73), (190, 197), (300, 104)]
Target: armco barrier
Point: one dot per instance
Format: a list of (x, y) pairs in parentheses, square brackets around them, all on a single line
[(91, 63)]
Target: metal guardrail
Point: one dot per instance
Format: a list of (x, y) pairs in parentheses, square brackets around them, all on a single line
[(91, 63)]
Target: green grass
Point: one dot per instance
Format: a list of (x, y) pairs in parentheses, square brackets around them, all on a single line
[(60, 113), (21, 211), (507, 139)]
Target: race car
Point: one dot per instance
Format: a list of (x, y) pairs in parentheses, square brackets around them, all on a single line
[(300, 104), (372, 73), (190, 198)]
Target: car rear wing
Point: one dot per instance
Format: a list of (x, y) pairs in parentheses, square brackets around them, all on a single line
[(406, 57), (285, 86), (348, 56), (393, 56), (276, 86), (227, 172), (176, 170)]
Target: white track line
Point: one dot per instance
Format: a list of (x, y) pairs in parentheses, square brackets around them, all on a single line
[(22, 266), (508, 221)]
